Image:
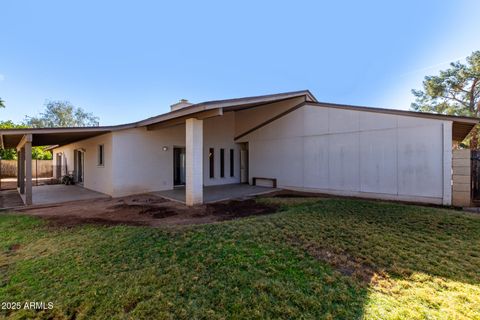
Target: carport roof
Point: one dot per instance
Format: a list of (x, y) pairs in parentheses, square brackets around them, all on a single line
[(9, 138)]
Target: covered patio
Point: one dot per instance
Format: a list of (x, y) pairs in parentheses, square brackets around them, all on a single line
[(59, 193), (23, 140), (217, 193)]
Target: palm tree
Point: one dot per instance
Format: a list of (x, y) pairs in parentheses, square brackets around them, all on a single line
[(2, 103)]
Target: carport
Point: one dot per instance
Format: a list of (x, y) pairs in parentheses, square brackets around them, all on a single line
[(24, 139)]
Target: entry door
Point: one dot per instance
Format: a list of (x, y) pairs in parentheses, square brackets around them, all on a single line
[(244, 165), (179, 158), (79, 166)]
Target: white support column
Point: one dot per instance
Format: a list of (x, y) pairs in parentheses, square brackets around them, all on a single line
[(447, 163), (194, 161), (21, 170), (18, 170), (28, 171)]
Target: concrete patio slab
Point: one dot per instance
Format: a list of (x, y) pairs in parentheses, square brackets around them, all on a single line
[(10, 199), (217, 193), (58, 193)]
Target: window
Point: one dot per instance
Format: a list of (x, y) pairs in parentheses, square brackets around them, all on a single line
[(101, 155), (211, 157), (232, 164), (222, 163)]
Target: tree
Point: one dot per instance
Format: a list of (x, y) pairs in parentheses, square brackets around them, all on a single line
[(40, 153), (2, 103), (61, 114), (9, 154), (455, 91)]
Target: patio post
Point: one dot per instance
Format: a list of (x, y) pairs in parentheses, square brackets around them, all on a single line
[(24, 154), (194, 161), (28, 171), (18, 169), (21, 170)]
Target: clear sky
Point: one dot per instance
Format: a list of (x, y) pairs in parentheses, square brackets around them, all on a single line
[(128, 60)]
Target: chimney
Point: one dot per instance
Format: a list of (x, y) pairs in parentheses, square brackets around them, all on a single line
[(179, 105)]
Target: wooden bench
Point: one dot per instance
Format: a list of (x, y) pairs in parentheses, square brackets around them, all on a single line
[(273, 180)]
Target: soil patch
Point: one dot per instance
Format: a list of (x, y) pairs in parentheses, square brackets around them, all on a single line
[(296, 194), (146, 210), (152, 210), (239, 208)]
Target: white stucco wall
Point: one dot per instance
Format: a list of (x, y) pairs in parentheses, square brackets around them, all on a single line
[(98, 178), (219, 132), (356, 153), (313, 148), (250, 118), (141, 165)]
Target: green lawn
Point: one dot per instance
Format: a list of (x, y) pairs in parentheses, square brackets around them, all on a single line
[(329, 258)]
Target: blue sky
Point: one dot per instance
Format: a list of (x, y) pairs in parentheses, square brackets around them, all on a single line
[(125, 61)]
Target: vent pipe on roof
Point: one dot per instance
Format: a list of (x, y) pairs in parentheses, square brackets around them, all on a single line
[(179, 105)]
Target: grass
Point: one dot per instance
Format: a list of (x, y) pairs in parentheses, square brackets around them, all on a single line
[(330, 259)]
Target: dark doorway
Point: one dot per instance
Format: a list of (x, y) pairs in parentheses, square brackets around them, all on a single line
[(79, 166), (179, 166), (244, 178)]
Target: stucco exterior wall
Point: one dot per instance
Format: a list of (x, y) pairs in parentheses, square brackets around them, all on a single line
[(219, 133), (355, 153), (98, 178), (250, 118), (141, 164)]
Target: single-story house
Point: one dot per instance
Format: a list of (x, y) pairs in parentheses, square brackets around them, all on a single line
[(288, 140)]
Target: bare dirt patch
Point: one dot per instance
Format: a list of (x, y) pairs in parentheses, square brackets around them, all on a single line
[(146, 210), (238, 209), (297, 194)]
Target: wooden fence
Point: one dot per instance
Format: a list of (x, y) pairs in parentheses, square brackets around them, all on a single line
[(44, 168)]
